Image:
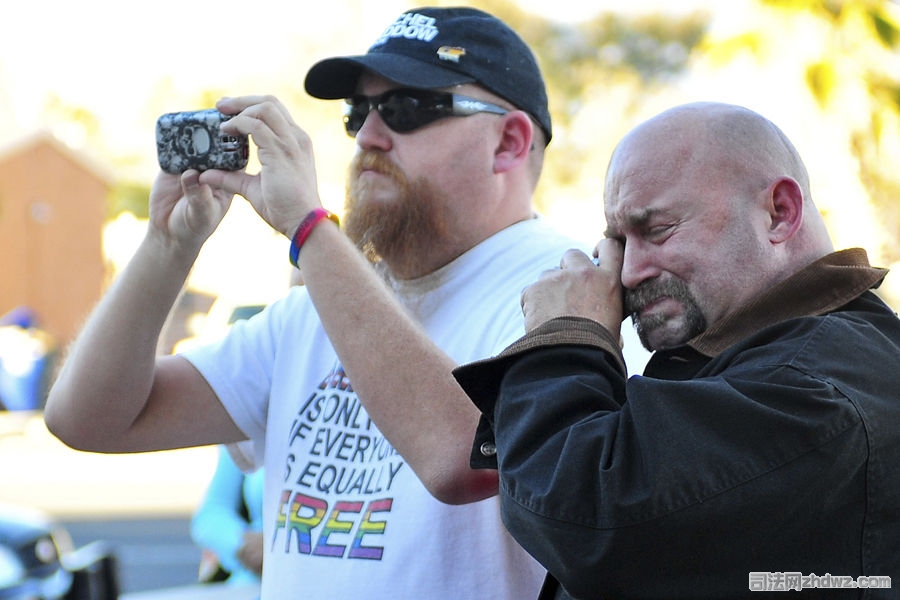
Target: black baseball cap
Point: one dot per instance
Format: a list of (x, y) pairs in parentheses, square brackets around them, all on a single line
[(441, 47)]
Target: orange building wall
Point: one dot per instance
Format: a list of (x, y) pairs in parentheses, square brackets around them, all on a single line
[(52, 210)]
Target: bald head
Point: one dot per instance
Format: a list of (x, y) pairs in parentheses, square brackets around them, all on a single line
[(728, 148), (746, 147)]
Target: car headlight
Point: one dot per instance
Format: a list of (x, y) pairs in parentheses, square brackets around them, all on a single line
[(45, 550)]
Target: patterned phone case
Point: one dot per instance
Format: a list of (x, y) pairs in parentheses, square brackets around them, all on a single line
[(192, 140)]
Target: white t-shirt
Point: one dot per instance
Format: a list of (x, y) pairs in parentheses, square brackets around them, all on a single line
[(344, 516)]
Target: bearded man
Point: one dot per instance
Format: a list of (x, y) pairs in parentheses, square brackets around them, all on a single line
[(348, 402), (761, 440)]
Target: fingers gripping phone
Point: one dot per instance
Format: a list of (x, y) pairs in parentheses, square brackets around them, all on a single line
[(192, 140)]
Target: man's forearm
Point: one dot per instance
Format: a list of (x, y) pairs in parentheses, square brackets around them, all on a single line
[(403, 379), (108, 373)]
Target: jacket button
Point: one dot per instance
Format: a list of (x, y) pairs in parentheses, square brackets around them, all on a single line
[(488, 449)]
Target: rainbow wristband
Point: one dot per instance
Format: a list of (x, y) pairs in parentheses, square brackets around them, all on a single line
[(306, 226)]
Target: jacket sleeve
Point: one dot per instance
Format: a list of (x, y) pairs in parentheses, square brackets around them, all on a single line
[(481, 379), (619, 485)]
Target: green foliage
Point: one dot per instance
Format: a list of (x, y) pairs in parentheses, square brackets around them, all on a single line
[(863, 43), (636, 56), (885, 91), (721, 52), (128, 197), (640, 53), (821, 79), (649, 50), (885, 27), (860, 52), (881, 182), (830, 9)]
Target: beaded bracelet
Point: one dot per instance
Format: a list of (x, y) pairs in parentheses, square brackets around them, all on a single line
[(306, 226)]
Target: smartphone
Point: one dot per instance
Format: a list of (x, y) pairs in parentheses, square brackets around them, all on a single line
[(192, 140)]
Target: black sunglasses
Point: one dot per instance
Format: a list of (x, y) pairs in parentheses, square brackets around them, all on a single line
[(407, 109)]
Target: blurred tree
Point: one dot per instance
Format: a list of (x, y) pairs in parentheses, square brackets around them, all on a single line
[(602, 71), (74, 125), (128, 196), (636, 54), (854, 71), (642, 54), (633, 53), (80, 128)]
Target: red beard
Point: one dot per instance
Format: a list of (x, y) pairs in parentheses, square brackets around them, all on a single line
[(396, 230)]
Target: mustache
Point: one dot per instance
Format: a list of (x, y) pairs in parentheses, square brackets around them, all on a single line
[(369, 160), (652, 290)]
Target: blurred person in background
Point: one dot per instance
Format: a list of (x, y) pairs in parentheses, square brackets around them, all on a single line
[(27, 359), (227, 525)]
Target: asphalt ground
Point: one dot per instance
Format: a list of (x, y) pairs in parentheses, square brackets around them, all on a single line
[(139, 504), (37, 470)]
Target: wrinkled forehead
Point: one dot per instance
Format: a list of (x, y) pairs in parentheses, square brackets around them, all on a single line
[(645, 172)]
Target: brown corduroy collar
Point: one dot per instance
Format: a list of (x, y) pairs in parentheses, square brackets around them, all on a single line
[(823, 286)]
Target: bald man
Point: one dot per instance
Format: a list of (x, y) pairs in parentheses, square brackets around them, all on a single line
[(760, 448)]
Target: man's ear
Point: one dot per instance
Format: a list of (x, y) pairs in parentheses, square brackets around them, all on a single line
[(785, 206), (516, 140)]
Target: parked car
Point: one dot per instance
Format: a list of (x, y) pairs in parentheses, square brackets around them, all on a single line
[(38, 561)]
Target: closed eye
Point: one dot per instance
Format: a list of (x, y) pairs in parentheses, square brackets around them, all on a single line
[(659, 233)]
